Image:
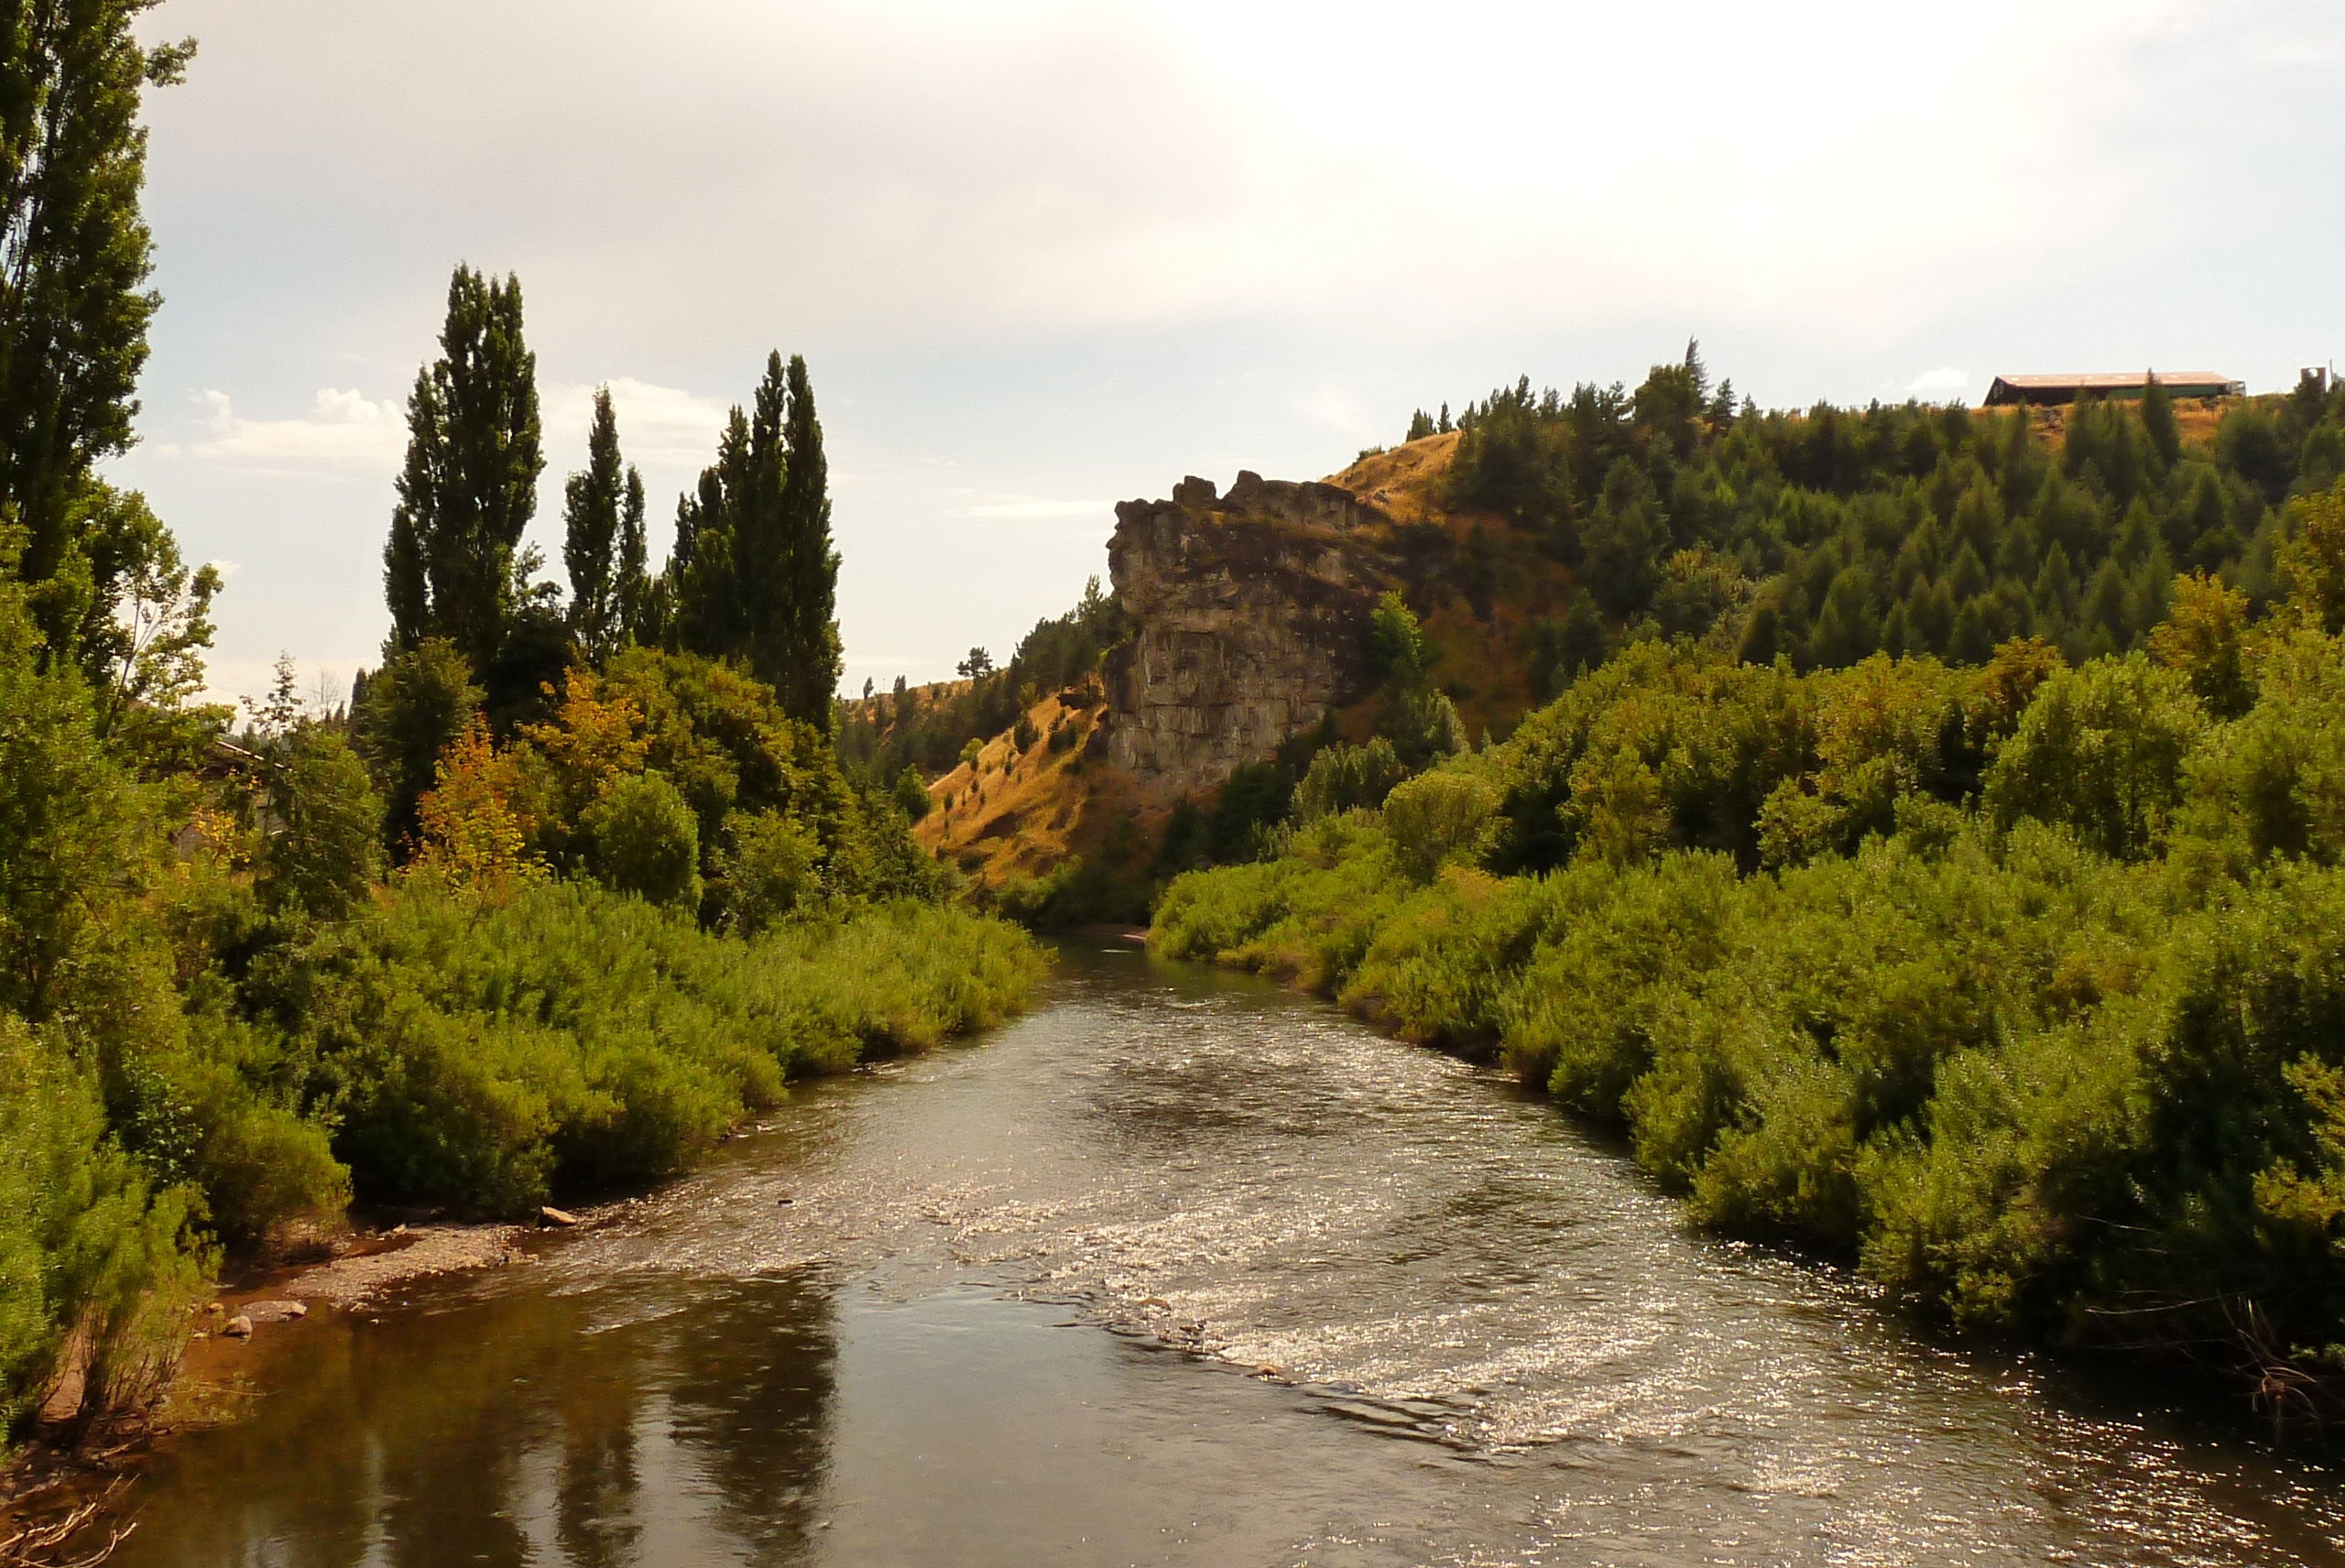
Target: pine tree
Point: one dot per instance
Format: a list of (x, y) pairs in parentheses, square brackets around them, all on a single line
[(2158, 418), (591, 525), (74, 259), (808, 677), (452, 566)]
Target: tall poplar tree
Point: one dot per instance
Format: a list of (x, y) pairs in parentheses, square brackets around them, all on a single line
[(74, 259), (452, 566), (762, 544), (592, 505), (702, 577), (753, 576), (634, 588), (808, 662)]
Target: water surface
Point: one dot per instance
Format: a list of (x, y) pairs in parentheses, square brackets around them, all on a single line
[(1182, 1269)]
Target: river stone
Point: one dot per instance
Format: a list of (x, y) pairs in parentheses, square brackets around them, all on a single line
[(554, 1216), (238, 1327), (275, 1312)]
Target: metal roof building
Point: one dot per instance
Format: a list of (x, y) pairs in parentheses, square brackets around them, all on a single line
[(2009, 390)]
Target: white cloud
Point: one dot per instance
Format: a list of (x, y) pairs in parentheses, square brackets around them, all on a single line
[(342, 432), (1056, 248), (659, 427), (1024, 508), (1940, 385), (347, 433), (1338, 408)]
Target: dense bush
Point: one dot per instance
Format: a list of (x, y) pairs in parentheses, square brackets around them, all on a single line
[(216, 1020), (2024, 986), (488, 1052), (643, 838)]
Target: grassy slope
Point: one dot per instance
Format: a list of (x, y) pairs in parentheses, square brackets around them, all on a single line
[(1020, 816)]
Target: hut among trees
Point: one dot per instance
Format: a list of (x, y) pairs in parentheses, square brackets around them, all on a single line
[(2059, 389)]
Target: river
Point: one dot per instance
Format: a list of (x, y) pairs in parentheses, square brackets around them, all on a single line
[(1184, 1268)]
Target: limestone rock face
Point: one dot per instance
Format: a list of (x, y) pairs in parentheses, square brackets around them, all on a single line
[(1251, 614)]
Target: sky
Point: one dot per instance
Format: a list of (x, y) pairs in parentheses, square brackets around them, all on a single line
[(1044, 254)]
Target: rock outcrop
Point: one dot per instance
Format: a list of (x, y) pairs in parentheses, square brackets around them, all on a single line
[(1250, 618)]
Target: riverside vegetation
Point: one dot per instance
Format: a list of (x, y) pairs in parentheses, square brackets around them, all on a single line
[(2021, 983), (575, 881)]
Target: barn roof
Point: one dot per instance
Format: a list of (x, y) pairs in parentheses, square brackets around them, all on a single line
[(2111, 381)]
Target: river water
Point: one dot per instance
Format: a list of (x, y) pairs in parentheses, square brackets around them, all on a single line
[(1184, 1268)]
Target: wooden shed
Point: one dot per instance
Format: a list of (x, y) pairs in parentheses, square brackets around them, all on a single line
[(2052, 390)]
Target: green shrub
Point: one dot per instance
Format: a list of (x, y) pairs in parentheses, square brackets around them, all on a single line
[(768, 868), (490, 1055), (88, 1244), (1438, 818), (327, 849), (1342, 778), (645, 839), (2039, 1012), (2101, 751)]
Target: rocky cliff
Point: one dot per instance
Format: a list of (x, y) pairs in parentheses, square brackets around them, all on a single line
[(1251, 614)]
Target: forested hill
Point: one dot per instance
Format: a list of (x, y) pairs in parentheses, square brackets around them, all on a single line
[(2019, 982), (1830, 534), (1539, 534)]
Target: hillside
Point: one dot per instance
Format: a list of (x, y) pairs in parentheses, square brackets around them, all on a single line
[(1539, 537)]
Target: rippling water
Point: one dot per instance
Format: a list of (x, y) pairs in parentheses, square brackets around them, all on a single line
[(1184, 1268)]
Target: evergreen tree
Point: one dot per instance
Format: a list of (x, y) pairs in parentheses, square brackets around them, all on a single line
[(2157, 419), (74, 259), (453, 567), (593, 501)]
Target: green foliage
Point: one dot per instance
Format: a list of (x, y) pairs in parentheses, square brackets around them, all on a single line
[(1075, 892), (602, 547), (87, 1242), (1342, 778), (1447, 814), (2100, 751), (492, 1055), (326, 848), (643, 838), (769, 867), (1828, 534), (414, 709), (753, 576), (452, 567), (68, 821), (2023, 985), (74, 312), (1397, 646)]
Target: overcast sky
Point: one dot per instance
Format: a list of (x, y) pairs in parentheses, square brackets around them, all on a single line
[(1043, 254)]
